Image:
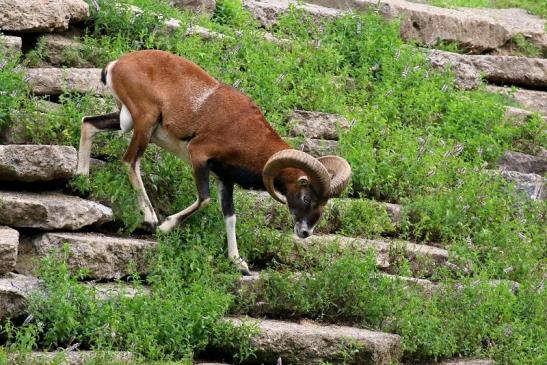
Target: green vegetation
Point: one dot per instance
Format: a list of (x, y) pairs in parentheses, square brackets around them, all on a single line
[(537, 7), (414, 140)]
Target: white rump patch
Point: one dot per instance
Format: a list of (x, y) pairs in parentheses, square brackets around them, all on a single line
[(126, 121)]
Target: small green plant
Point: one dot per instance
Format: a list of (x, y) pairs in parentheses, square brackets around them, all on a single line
[(524, 46)]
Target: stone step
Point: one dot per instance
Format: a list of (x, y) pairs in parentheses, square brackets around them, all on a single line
[(531, 99), (15, 289), (521, 162), (55, 81), (520, 71), (318, 125), (267, 11), (50, 211), (11, 43), (309, 343), (70, 357), (422, 258), (333, 215), (39, 16), (532, 185), (313, 146), (9, 243), (477, 30), (102, 257), (31, 163), (465, 362), (518, 117)]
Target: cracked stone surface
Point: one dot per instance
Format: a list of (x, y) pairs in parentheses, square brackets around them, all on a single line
[(9, 244), (54, 81), (102, 257), (30, 163), (41, 16), (50, 211), (309, 343), (14, 291)]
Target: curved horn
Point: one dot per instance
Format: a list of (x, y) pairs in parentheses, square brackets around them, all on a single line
[(317, 173), (340, 172)]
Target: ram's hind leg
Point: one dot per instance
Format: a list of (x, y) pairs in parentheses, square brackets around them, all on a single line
[(132, 158), (89, 128)]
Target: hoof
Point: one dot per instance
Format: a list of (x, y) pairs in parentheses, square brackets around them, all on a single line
[(242, 267)]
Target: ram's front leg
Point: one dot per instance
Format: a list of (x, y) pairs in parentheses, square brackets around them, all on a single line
[(91, 125), (132, 158), (226, 197)]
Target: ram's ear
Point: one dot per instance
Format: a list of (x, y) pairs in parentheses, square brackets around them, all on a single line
[(303, 181)]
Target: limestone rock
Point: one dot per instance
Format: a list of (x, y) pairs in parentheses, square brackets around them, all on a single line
[(316, 124), (41, 16), (54, 81), (103, 257), (421, 257), (267, 11), (478, 30), (9, 243), (200, 6), (14, 291), (467, 362), (309, 343), (29, 163), (510, 70), (516, 115), (531, 184), (530, 99), (313, 146), (11, 43), (521, 162), (333, 214), (59, 48), (70, 358), (50, 211)]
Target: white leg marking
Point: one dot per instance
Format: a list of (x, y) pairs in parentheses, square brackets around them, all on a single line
[(87, 132), (172, 221), (233, 252), (126, 120), (135, 178)]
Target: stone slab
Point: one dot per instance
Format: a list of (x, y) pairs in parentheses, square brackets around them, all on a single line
[(32, 163), (14, 291), (70, 358), (313, 146), (11, 43), (267, 11), (530, 99), (309, 343), (318, 125), (508, 70), (420, 256), (41, 16), (101, 257), (532, 185), (55, 81), (521, 162), (273, 210), (9, 244), (477, 30), (50, 211)]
